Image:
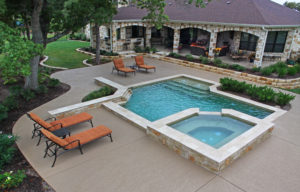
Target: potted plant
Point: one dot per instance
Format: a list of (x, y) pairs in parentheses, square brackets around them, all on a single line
[(251, 57)]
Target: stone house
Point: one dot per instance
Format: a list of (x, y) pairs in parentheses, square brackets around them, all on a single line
[(268, 30)]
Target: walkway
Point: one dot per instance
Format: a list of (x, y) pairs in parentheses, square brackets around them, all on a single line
[(135, 163)]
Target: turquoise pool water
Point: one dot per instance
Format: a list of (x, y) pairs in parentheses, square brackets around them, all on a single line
[(214, 130), (162, 99)]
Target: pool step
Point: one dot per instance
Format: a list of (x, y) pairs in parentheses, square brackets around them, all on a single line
[(185, 89), (192, 84)]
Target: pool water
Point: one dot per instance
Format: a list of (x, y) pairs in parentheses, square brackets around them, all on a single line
[(162, 99), (214, 130)]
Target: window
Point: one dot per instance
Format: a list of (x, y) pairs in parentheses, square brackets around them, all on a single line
[(137, 31), (276, 41), (248, 42), (118, 34)]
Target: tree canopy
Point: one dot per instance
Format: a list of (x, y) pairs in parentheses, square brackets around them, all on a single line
[(292, 5)]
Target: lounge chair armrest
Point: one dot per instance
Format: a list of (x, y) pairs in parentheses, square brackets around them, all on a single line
[(50, 118), (61, 125), (77, 140)]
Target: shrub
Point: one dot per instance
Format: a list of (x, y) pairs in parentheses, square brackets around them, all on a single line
[(282, 72), (27, 94), (147, 50), (153, 49), (9, 179), (224, 65), (7, 150), (3, 112), (205, 60), (266, 71), (280, 64), (263, 94), (138, 49), (189, 57), (292, 70), (15, 90), (172, 54), (237, 67), (217, 61), (42, 77), (255, 69), (11, 103), (297, 67), (282, 98), (53, 83), (104, 91), (42, 89)]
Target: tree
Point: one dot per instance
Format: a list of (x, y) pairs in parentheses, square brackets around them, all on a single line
[(65, 16), (292, 5)]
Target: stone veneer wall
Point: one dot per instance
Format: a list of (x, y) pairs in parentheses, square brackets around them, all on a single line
[(200, 159), (295, 53), (281, 83)]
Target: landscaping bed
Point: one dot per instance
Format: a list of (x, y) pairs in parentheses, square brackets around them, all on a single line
[(19, 105), (102, 52), (279, 70), (102, 61)]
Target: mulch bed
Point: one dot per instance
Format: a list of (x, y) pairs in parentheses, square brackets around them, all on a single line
[(247, 70), (32, 182), (102, 61)]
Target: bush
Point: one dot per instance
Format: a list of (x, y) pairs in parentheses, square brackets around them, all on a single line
[(297, 67), (189, 57), (104, 91), (283, 99), (292, 71), (3, 112), (9, 179), (27, 94), (172, 54), (224, 65), (217, 61), (282, 72), (263, 94), (43, 77), (153, 49), (53, 83), (266, 71), (237, 67), (205, 60), (7, 150), (42, 89), (147, 50), (138, 49), (15, 90), (255, 69), (11, 102)]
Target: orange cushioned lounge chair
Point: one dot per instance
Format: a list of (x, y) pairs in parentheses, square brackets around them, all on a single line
[(57, 124), (139, 60), (119, 66), (54, 143)]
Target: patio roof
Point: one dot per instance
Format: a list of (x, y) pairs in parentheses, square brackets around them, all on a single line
[(252, 12)]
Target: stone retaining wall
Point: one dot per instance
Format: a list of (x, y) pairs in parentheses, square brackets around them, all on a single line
[(280, 83)]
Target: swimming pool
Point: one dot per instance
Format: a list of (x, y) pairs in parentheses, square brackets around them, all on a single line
[(165, 98), (214, 130)]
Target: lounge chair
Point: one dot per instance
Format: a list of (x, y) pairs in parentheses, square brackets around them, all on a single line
[(56, 124), (139, 60), (119, 66), (54, 143)]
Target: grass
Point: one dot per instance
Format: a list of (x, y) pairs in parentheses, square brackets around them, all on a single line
[(62, 53), (295, 90)]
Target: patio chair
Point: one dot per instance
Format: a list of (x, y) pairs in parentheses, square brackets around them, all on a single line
[(56, 124), (139, 60), (119, 66), (54, 143)]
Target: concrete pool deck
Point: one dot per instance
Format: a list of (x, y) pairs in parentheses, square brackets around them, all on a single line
[(134, 162)]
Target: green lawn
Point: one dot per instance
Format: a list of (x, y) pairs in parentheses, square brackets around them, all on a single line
[(62, 53)]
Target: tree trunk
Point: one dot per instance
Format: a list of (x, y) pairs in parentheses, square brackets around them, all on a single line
[(31, 81), (97, 33)]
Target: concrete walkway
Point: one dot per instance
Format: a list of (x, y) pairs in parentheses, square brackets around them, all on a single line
[(135, 163)]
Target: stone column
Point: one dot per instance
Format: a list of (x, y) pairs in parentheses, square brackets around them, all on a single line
[(288, 45), (212, 43), (114, 38), (295, 52), (148, 36), (176, 40), (236, 40), (260, 48), (123, 32)]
